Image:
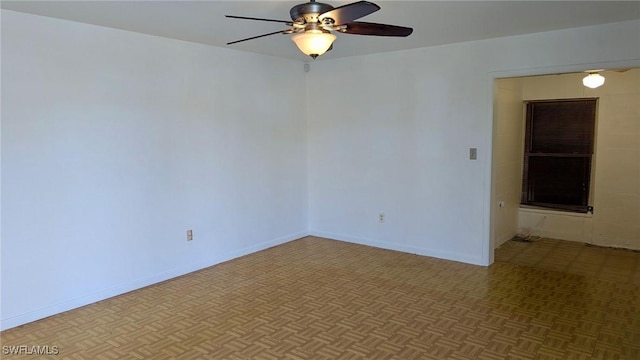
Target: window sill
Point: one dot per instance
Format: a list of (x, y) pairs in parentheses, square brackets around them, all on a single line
[(547, 211)]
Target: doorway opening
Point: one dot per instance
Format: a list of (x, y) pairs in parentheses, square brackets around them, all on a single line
[(615, 172)]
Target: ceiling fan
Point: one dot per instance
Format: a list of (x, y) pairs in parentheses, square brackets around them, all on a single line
[(312, 24)]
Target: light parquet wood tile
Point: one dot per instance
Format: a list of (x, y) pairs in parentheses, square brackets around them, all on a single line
[(321, 299)]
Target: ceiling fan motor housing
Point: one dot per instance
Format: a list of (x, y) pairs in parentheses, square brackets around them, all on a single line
[(314, 21), (309, 11)]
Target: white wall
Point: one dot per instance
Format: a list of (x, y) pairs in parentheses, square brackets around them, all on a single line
[(391, 133), (115, 143), (615, 193), (507, 159)]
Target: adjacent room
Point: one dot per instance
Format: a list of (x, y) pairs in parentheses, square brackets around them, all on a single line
[(611, 189), (166, 195)]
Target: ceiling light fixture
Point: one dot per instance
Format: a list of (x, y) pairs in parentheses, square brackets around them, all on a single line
[(593, 80), (313, 42)]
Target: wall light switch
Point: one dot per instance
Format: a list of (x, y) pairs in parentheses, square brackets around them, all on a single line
[(189, 235), (473, 153)]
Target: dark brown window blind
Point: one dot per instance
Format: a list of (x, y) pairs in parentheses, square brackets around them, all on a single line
[(558, 152)]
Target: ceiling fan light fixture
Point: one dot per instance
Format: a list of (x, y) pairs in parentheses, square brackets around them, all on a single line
[(593, 80), (313, 42)]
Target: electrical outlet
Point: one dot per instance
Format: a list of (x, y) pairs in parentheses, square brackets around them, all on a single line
[(189, 235), (381, 217)]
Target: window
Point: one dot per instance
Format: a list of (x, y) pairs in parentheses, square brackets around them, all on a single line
[(557, 155)]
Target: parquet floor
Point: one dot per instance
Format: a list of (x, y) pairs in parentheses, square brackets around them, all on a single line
[(322, 299)]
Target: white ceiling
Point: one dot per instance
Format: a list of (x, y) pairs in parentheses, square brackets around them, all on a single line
[(434, 22)]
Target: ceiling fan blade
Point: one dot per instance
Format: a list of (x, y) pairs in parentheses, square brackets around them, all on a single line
[(347, 13), (364, 28), (259, 36), (259, 19)]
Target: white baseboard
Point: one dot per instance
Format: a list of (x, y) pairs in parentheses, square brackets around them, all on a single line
[(474, 260), (75, 303), (182, 270)]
